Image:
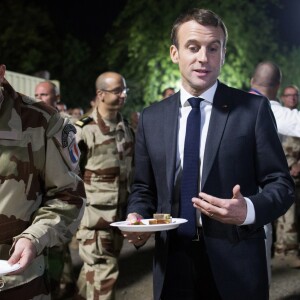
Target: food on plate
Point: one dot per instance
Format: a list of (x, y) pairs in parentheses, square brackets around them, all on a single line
[(160, 219), (136, 222)]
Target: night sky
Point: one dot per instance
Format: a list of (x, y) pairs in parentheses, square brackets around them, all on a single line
[(289, 21), (87, 20)]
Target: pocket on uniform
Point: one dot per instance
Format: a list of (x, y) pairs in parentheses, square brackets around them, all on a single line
[(86, 236), (88, 246)]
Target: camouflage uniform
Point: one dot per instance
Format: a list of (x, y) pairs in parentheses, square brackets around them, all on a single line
[(60, 265), (107, 151), (286, 228), (40, 191)]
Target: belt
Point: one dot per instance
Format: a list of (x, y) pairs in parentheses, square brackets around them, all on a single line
[(198, 235)]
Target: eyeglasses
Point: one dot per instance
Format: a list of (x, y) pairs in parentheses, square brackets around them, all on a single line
[(118, 92), (290, 95)]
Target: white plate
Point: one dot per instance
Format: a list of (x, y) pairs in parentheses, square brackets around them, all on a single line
[(126, 226), (6, 268)]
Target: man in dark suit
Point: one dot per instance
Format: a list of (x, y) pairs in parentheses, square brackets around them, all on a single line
[(239, 153)]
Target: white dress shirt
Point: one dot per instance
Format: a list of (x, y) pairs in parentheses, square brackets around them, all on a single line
[(287, 120), (205, 108)]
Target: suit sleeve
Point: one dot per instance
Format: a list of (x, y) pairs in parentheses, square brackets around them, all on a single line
[(143, 199), (272, 171)]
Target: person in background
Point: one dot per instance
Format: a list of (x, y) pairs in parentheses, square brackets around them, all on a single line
[(59, 256), (106, 142), (287, 227), (92, 105), (266, 80), (93, 102), (134, 120), (290, 96), (77, 113), (42, 195), (240, 178), (61, 107), (168, 92), (48, 92)]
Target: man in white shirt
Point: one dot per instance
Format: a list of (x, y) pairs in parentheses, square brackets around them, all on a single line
[(266, 81)]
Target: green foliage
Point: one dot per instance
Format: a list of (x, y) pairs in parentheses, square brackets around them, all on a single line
[(24, 41), (289, 61), (29, 42), (138, 47)]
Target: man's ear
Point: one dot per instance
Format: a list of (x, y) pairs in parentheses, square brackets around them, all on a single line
[(100, 96), (174, 54)]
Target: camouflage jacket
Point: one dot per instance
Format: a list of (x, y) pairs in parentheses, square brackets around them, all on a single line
[(106, 162), (291, 147), (41, 195)]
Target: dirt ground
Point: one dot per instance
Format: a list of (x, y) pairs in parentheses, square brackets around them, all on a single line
[(135, 280)]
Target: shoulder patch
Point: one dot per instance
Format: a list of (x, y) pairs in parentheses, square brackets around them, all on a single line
[(65, 134), (84, 121)]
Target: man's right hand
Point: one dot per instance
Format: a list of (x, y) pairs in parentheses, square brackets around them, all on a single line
[(136, 238), (24, 253)]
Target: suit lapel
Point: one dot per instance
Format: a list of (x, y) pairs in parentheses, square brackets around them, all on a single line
[(170, 137), (218, 119)]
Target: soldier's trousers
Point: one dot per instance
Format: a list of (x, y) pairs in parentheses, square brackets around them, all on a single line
[(286, 232), (99, 250)]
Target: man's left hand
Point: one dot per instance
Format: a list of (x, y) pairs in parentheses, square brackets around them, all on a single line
[(228, 211)]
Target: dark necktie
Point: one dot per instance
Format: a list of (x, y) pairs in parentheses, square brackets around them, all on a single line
[(191, 170)]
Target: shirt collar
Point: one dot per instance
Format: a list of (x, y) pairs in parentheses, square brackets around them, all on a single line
[(208, 95)]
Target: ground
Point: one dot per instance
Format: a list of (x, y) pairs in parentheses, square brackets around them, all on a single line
[(135, 280)]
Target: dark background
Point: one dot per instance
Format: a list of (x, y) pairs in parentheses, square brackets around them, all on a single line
[(89, 20)]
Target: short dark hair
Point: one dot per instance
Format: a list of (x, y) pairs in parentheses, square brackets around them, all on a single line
[(203, 17)]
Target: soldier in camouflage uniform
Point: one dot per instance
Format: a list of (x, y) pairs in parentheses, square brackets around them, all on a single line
[(287, 240), (106, 143), (60, 268), (42, 196)]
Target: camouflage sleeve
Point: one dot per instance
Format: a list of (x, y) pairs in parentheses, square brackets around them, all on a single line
[(291, 151), (63, 203)]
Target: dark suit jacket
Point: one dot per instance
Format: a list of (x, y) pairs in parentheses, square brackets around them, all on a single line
[(242, 147)]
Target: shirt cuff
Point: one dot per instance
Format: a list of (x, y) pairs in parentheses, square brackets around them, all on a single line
[(250, 217)]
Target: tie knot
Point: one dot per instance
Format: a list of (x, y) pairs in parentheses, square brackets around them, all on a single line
[(195, 102)]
